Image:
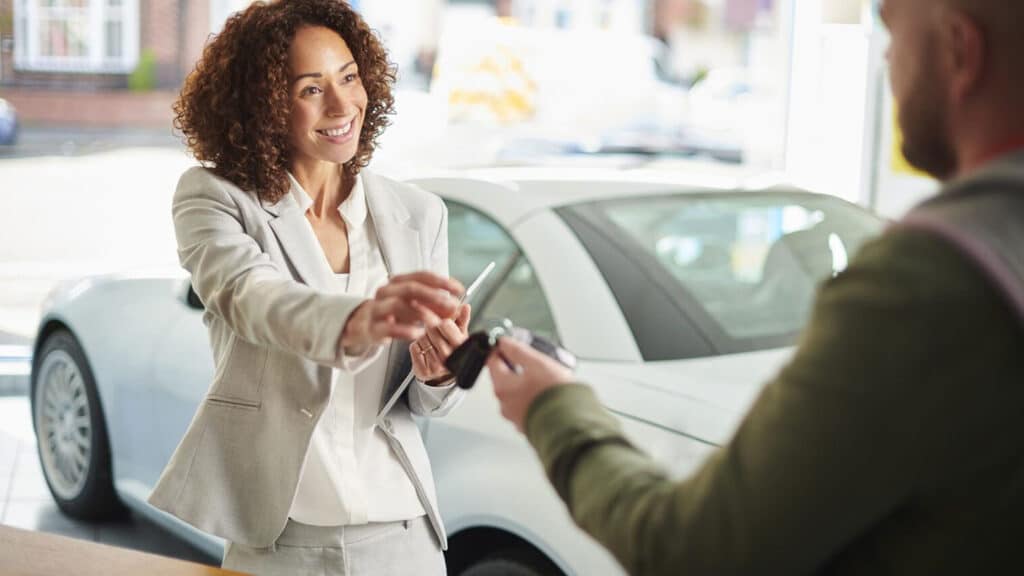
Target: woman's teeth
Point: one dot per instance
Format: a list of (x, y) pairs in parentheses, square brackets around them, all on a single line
[(335, 132)]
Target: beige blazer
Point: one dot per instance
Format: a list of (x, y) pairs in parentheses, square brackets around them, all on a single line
[(274, 330)]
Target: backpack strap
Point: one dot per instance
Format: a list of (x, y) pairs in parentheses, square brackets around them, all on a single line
[(982, 216), (977, 249)]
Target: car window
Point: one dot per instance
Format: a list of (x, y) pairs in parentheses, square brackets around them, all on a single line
[(512, 291), (744, 267), (520, 298), (474, 240)]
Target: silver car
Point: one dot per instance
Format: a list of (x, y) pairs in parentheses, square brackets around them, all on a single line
[(680, 300)]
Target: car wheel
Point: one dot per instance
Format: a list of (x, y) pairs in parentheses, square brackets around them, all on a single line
[(71, 432), (513, 562)]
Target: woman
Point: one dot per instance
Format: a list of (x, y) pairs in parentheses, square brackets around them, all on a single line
[(304, 455)]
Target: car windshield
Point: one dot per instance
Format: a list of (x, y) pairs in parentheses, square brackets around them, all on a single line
[(742, 268)]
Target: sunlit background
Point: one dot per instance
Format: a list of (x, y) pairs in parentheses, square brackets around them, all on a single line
[(791, 88)]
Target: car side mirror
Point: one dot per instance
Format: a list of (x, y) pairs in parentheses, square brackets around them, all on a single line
[(192, 299)]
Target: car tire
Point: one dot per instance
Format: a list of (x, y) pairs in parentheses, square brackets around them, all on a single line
[(513, 562), (71, 431)]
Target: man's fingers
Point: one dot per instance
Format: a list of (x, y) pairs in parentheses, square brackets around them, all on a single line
[(519, 353), (500, 371)]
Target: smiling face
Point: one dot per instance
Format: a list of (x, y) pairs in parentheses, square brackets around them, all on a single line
[(328, 100)]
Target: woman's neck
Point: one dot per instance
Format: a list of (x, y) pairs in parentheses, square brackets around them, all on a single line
[(327, 184)]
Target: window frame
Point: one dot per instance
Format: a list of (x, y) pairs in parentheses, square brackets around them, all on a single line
[(482, 299), (28, 18), (690, 331)]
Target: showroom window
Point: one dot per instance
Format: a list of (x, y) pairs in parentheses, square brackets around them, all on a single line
[(512, 290), (221, 10), (85, 36)]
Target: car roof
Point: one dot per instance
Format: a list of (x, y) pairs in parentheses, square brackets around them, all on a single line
[(511, 194)]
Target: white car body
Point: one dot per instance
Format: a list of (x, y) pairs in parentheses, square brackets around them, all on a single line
[(149, 354)]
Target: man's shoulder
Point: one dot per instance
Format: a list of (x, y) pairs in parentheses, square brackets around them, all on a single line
[(916, 266)]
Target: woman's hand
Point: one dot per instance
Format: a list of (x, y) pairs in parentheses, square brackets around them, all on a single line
[(431, 350), (404, 308)]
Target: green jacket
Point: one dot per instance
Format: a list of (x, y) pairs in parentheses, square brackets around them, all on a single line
[(892, 443)]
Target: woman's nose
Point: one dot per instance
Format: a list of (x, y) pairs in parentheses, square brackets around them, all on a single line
[(337, 103)]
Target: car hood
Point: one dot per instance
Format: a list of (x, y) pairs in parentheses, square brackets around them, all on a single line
[(704, 398)]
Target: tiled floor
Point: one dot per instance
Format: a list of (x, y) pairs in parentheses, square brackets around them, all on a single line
[(25, 501)]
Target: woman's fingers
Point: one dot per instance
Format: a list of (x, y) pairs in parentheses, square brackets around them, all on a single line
[(434, 292), (426, 361), (430, 279), (405, 307), (462, 318), (412, 313), (451, 333), (438, 342)]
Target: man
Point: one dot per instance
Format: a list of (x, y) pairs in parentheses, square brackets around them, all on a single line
[(893, 442)]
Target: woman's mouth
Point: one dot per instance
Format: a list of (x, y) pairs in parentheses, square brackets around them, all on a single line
[(338, 134)]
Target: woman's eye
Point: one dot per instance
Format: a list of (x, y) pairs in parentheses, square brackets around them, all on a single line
[(310, 90), (351, 77)]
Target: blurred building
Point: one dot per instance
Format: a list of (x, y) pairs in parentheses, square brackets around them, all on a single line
[(120, 60), (102, 44)]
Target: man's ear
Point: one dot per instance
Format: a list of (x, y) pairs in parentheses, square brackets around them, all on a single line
[(965, 50)]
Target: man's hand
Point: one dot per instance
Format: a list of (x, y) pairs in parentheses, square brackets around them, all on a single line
[(403, 308), (431, 350), (531, 374)]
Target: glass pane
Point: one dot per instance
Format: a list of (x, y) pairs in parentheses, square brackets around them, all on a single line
[(112, 39), (64, 33), (752, 262), (473, 241), (521, 299)]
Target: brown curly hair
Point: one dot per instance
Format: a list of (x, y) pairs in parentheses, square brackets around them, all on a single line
[(233, 111)]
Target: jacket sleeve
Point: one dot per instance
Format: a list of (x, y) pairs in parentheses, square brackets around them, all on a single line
[(428, 400), (832, 446), (238, 282)]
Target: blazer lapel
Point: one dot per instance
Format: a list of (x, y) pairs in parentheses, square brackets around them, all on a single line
[(399, 241), (298, 242), (400, 246)]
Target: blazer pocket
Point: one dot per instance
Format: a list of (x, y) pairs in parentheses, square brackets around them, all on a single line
[(240, 379), (232, 402)]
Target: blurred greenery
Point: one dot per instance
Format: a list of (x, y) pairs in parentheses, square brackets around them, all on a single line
[(143, 78)]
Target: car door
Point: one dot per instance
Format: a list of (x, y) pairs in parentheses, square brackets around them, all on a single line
[(512, 291), (182, 372)]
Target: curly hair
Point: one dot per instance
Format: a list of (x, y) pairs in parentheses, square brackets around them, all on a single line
[(233, 111)]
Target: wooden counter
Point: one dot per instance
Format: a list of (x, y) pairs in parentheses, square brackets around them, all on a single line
[(24, 553)]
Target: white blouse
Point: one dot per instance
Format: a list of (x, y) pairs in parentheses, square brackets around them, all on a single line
[(351, 475)]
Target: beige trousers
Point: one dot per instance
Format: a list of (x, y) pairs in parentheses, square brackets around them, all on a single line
[(386, 548)]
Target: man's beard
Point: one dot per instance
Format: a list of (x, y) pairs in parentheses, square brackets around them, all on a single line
[(927, 142)]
